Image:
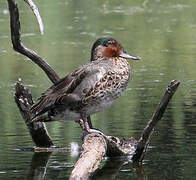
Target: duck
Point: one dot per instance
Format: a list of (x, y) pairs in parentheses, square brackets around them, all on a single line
[(89, 89)]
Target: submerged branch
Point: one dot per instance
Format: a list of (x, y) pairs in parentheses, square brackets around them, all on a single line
[(38, 167)]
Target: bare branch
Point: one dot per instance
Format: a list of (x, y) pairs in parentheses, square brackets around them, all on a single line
[(37, 15), (158, 114), (19, 47)]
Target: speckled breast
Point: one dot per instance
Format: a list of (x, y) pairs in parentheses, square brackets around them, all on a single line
[(109, 87)]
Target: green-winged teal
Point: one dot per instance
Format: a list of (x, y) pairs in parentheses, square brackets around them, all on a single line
[(89, 89)]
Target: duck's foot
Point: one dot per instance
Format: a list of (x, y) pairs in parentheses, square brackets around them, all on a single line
[(86, 128), (90, 130), (89, 122), (86, 125)]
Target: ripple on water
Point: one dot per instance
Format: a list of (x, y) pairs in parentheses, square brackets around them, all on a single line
[(27, 34), (122, 10), (2, 172), (2, 50), (60, 165), (179, 6)]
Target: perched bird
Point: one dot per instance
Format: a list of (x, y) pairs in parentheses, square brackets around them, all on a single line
[(89, 89)]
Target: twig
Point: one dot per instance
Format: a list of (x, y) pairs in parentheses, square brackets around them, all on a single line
[(37, 15), (19, 47)]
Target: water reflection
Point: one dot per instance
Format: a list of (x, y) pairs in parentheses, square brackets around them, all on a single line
[(38, 166), (111, 169)]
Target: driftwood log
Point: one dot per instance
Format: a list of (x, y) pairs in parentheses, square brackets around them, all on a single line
[(95, 146)]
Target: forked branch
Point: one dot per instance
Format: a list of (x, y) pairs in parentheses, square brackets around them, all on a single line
[(19, 47), (23, 97)]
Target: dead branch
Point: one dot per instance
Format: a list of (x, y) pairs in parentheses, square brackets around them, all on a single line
[(19, 47), (158, 114), (23, 97), (38, 131), (52, 75)]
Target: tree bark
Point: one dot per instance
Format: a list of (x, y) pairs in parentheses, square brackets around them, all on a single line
[(94, 148)]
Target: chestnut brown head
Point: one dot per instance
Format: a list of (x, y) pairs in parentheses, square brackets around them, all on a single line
[(108, 48)]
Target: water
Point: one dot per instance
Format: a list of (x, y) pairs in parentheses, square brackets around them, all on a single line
[(161, 32)]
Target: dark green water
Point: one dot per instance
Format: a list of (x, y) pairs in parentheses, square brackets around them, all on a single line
[(163, 33)]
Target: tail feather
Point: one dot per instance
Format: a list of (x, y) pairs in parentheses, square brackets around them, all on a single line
[(42, 106)]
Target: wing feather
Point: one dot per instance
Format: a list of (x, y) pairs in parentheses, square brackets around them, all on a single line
[(70, 89), (55, 93)]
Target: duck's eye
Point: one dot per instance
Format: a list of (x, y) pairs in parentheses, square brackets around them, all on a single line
[(111, 43), (107, 44)]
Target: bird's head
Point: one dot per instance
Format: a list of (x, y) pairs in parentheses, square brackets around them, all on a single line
[(107, 48)]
